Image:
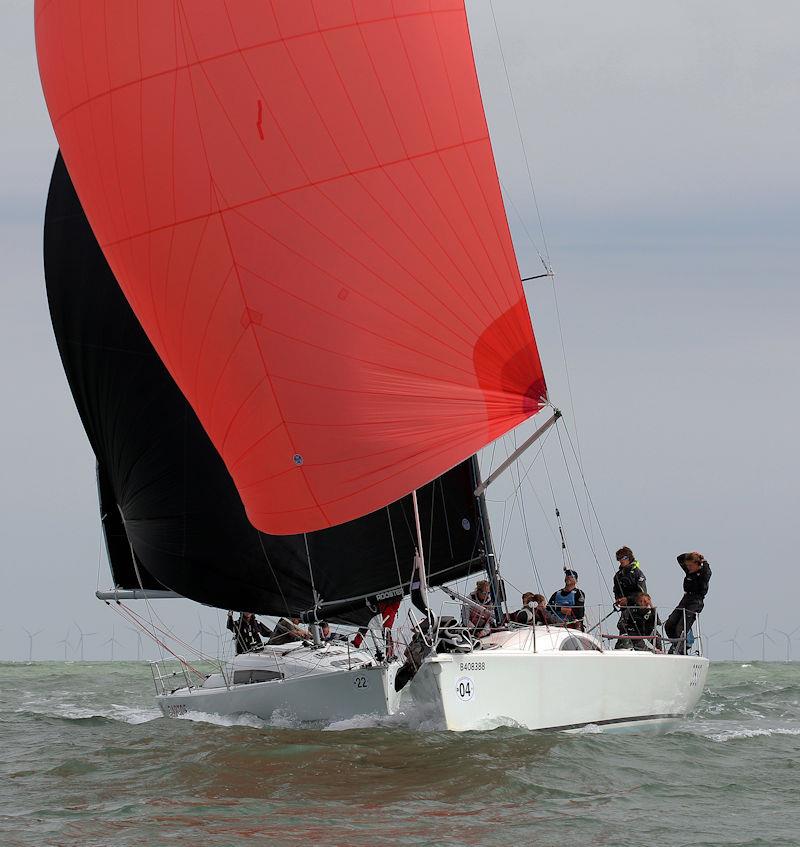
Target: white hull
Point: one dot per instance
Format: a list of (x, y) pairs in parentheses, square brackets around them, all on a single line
[(554, 689), (325, 684), (521, 677)]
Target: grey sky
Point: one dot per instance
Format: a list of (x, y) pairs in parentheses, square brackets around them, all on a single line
[(663, 140)]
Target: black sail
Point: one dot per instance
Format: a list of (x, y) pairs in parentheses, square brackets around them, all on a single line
[(127, 570), (179, 510)]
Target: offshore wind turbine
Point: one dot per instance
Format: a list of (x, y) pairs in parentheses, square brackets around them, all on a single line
[(201, 632), (734, 644), (789, 636), (220, 636), (138, 635), (707, 639), (112, 641), (31, 636), (65, 642), (764, 635), (83, 636)]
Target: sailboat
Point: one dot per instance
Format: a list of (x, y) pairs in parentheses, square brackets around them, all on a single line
[(290, 313)]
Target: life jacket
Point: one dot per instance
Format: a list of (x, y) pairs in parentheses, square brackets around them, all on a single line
[(562, 599), (480, 618), (525, 616)]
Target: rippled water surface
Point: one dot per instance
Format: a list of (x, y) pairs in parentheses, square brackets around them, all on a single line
[(86, 760)]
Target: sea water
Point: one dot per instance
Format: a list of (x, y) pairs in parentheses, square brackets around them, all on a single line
[(86, 759)]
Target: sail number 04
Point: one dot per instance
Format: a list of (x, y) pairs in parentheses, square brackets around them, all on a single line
[(465, 688)]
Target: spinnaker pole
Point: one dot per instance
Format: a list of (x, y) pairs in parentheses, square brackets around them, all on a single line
[(518, 452)]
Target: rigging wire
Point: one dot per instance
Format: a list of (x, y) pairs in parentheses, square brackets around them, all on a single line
[(566, 558), (269, 565), (515, 208), (580, 511), (147, 603), (533, 460), (534, 567), (100, 554), (588, 495), (133, 617), (545, 515), (394, 548), (311, 572), (516, 491), (519, 132), (546, 260)]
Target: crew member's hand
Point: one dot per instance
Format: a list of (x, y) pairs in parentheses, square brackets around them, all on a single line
[(622, 601)]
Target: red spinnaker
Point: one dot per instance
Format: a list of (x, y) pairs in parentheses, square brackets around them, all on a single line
[(300, 202)]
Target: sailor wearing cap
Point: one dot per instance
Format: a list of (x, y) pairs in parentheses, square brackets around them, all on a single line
[(568, 604)]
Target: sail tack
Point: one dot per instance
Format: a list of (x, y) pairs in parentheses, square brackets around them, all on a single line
[(299, 201)]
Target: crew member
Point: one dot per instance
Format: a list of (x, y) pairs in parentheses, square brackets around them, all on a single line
[(287, 631), (629, 584), (479, 614), (641, 621), (534, 611), (247, 632), (695, 588), (328, 634), (568, 604), (386, 612)]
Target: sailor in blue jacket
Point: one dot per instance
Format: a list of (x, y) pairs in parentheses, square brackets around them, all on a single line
[(568, 604)]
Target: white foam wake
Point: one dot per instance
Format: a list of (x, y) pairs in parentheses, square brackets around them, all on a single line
[(224, 720), (734, 734), (116, 712)]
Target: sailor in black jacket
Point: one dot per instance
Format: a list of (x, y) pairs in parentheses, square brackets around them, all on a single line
[(695, 588), (642, 622), (247, 632), (629, 584), (629, 580)]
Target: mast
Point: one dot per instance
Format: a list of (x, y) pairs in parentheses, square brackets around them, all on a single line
[(492, 569), (419, 558)]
